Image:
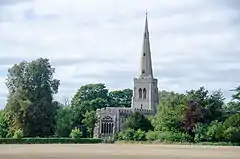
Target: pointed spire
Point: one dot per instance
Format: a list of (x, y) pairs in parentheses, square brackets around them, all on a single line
[(146, 61)]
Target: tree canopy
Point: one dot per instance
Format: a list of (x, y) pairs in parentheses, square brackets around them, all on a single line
[(30, 104)]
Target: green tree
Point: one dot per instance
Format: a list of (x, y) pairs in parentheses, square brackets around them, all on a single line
[(30, 104), (212, 103), (138, 121), (236, 96), (170, 112), (214, 107), (200, 132), (233, 107), (63, 121), (88, 98), (121, 98), (90, 119), (232, 128), (215, 132), (3, 125)]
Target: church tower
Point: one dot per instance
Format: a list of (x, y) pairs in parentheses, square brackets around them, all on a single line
[(145, 94)]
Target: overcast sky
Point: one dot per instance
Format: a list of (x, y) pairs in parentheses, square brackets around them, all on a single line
[(193, 42)]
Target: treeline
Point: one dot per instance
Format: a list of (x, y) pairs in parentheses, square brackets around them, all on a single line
[(196, 116), (31, 111)]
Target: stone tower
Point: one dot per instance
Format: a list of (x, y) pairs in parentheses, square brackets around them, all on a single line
[(145, 94)]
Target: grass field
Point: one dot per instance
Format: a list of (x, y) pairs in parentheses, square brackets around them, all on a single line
[(117, 151)]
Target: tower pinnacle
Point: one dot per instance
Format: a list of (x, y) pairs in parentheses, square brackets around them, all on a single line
[(146, 61)]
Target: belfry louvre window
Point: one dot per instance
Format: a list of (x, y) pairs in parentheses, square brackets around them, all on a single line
[(140, 93), (144, 93)]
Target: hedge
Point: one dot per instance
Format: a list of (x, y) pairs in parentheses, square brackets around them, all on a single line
[(49, 141)]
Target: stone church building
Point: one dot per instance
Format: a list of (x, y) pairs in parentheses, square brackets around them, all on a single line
[(144, 100)]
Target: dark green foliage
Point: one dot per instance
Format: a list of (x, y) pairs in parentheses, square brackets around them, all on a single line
[(236, 96), (121, 98), (169, 115), (232, 128), (200, 132), (139, 135), (212, 103), (63, 121), (168, 136), (215, 132), (127, 134), (214, 107), (232, 108), (90, 119), (138, 121), (30, 105), (232, 134), (3, 125), (49, 141), (131, 135), (233, 121), (88, 98), (152, 135)]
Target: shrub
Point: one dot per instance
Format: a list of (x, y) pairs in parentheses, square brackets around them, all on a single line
[(139, 135), (128, 134), (138, 121), (119, 136), (200, 132), (76, 133), (152, 135), (131, 135), (232, 121), (49, 141), (173, 137), (232, 134), (215, 132), (18, 134)]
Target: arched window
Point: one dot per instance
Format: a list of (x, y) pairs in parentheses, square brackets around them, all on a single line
[(107, 125), (140, 93), (144, 93)]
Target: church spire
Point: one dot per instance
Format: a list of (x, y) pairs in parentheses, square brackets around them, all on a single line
[(146, 61)]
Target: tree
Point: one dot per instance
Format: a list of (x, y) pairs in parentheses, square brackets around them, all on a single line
[(63, 121), (192, 115), (138, 121), (212, 103), (30, 104), (3, 125), (236, 96), (215, 132), (214, 107), (90, 119), (169, 115), (232, 128), (200, 96), (88, 98), (233, 107), (121, 98)]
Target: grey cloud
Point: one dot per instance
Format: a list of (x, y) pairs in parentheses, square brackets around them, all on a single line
[(66, 62)]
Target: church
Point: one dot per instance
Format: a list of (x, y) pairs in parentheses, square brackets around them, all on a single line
[(144, 100)]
